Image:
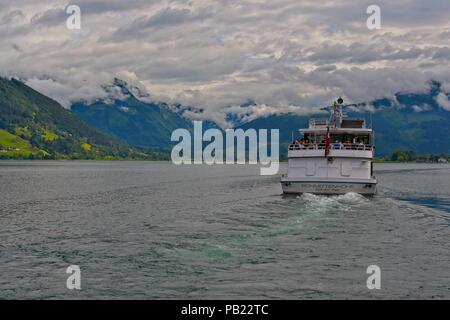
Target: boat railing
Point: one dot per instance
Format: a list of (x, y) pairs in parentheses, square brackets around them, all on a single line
[(313, 123), (334, 146)]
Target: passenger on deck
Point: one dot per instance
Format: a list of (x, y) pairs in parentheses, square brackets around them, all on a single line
[(337, 145), (302, 143), (348, 144)]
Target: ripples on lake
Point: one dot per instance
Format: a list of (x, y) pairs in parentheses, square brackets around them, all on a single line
[(155, 230)]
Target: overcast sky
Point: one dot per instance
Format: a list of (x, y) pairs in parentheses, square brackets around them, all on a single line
[(286, 55)]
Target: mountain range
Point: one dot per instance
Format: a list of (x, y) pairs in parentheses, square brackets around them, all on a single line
[(35, 126), (130, 118), (410, 121), (131, 125)]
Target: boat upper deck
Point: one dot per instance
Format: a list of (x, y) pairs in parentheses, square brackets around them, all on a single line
[(338, 136), (348, 138), (333, 146), (337, 149), (349, 125)]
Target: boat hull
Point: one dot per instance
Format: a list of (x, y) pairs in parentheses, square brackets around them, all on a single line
[(329, 187)]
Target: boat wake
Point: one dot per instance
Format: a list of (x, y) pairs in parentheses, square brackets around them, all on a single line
[(326, 203)]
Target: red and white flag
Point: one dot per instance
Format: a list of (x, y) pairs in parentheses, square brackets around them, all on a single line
[(327, 143)]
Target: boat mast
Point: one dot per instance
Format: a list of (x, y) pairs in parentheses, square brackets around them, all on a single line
[(337, 112)]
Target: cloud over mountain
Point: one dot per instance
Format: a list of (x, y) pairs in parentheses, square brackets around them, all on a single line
[(286, 56)]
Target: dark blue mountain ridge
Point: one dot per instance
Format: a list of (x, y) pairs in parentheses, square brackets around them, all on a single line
[(411, 121), (127, 115)]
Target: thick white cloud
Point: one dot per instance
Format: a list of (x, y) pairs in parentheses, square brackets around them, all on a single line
[(443, 101), (286, 55)]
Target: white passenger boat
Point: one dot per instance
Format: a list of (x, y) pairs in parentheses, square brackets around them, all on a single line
[(333, 156)]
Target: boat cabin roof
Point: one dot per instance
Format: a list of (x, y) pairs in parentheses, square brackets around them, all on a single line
[(352, 123), (346, 125)]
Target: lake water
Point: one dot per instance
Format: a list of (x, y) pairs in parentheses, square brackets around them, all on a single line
[(155, 230)]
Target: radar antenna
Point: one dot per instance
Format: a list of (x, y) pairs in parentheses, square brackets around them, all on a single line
[(336, 110)]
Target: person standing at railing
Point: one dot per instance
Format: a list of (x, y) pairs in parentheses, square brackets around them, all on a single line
[(337, 145), (327, 142)]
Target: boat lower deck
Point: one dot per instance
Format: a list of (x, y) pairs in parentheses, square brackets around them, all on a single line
[(329, 187)]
